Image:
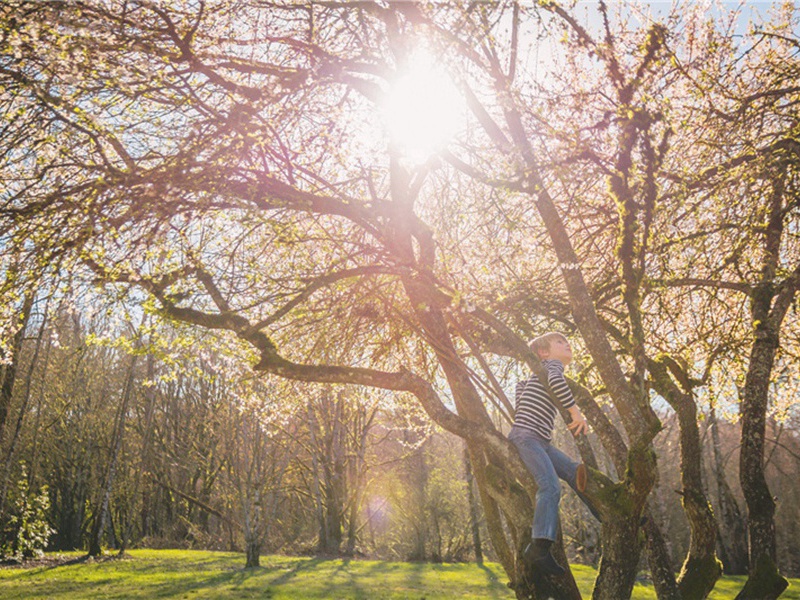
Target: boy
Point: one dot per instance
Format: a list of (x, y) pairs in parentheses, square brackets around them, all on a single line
[(534, 417)]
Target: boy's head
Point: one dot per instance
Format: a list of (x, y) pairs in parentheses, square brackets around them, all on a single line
[(553, 346)]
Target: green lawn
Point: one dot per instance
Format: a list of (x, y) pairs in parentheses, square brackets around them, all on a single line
[(198, 574)]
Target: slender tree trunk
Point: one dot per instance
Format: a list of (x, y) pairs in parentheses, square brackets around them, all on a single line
[(9, 369), (473, 511), (335, 478), (23, 409), (34, 458), (252, 526), (419, 493), (316, 479), (253, 553), (249, 475), (359, 477), (101, 515), (144, 458), (659, 559), (733, 532)]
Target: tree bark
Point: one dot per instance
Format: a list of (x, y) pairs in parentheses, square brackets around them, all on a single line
[(701, 568), (732, 535), (769, 304), (764, 581)]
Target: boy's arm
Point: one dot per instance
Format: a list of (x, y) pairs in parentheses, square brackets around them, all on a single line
[(578, 424), (558, 383)]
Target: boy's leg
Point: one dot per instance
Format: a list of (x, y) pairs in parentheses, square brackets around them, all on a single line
[(535, 456), (568, 470), (545, 518)]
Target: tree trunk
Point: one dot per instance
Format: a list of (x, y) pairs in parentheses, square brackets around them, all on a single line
[(732, 534), (335, 478), (144, 459), (253, 553), (252, 526), (419, 493), (701, 569), (9, 369), (327, 457), (764, 581), (359, 476), (473, 511), (23, 409), (619, 563), (316, 478), (101, 514), (659, 559)]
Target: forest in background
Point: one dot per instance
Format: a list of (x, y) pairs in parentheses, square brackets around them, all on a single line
[(243, 303), (154, 428)]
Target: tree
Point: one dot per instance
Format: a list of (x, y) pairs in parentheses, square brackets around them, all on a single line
[(753, 174), (233, 186)]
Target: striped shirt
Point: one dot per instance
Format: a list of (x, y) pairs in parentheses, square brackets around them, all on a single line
[(533, 408)]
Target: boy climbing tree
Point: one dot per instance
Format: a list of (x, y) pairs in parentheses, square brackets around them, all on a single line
[(531, 433)]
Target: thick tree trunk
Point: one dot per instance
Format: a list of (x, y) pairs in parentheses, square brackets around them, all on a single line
[(658, 556), (764, 581), (253, 552), (619, 563), (701, 569), (769, 303)]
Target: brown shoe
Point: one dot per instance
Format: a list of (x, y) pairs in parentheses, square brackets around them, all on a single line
[(580, 478)]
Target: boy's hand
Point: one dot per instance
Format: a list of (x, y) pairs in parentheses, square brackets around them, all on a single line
[(578, 424)]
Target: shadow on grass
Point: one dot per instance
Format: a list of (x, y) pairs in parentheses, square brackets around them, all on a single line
[(298, 567), (489, 573), (234, 578), (178, 578), (27, 571), (317, 577)]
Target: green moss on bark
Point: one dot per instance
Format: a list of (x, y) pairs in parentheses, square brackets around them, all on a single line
[(698, 577), (765, 583)]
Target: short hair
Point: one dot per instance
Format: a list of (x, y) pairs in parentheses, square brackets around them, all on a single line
[(542, 343)]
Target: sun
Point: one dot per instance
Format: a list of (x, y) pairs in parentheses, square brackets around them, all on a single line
[(423, 110)]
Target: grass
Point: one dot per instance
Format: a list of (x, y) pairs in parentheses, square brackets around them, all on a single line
[(192, 574)]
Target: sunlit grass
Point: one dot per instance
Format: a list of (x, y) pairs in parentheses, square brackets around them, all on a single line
[(190, 574)]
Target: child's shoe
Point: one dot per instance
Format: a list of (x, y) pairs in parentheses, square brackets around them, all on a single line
[(537, 556)]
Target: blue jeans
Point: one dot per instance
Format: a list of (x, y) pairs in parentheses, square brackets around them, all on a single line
[(547, 464)]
